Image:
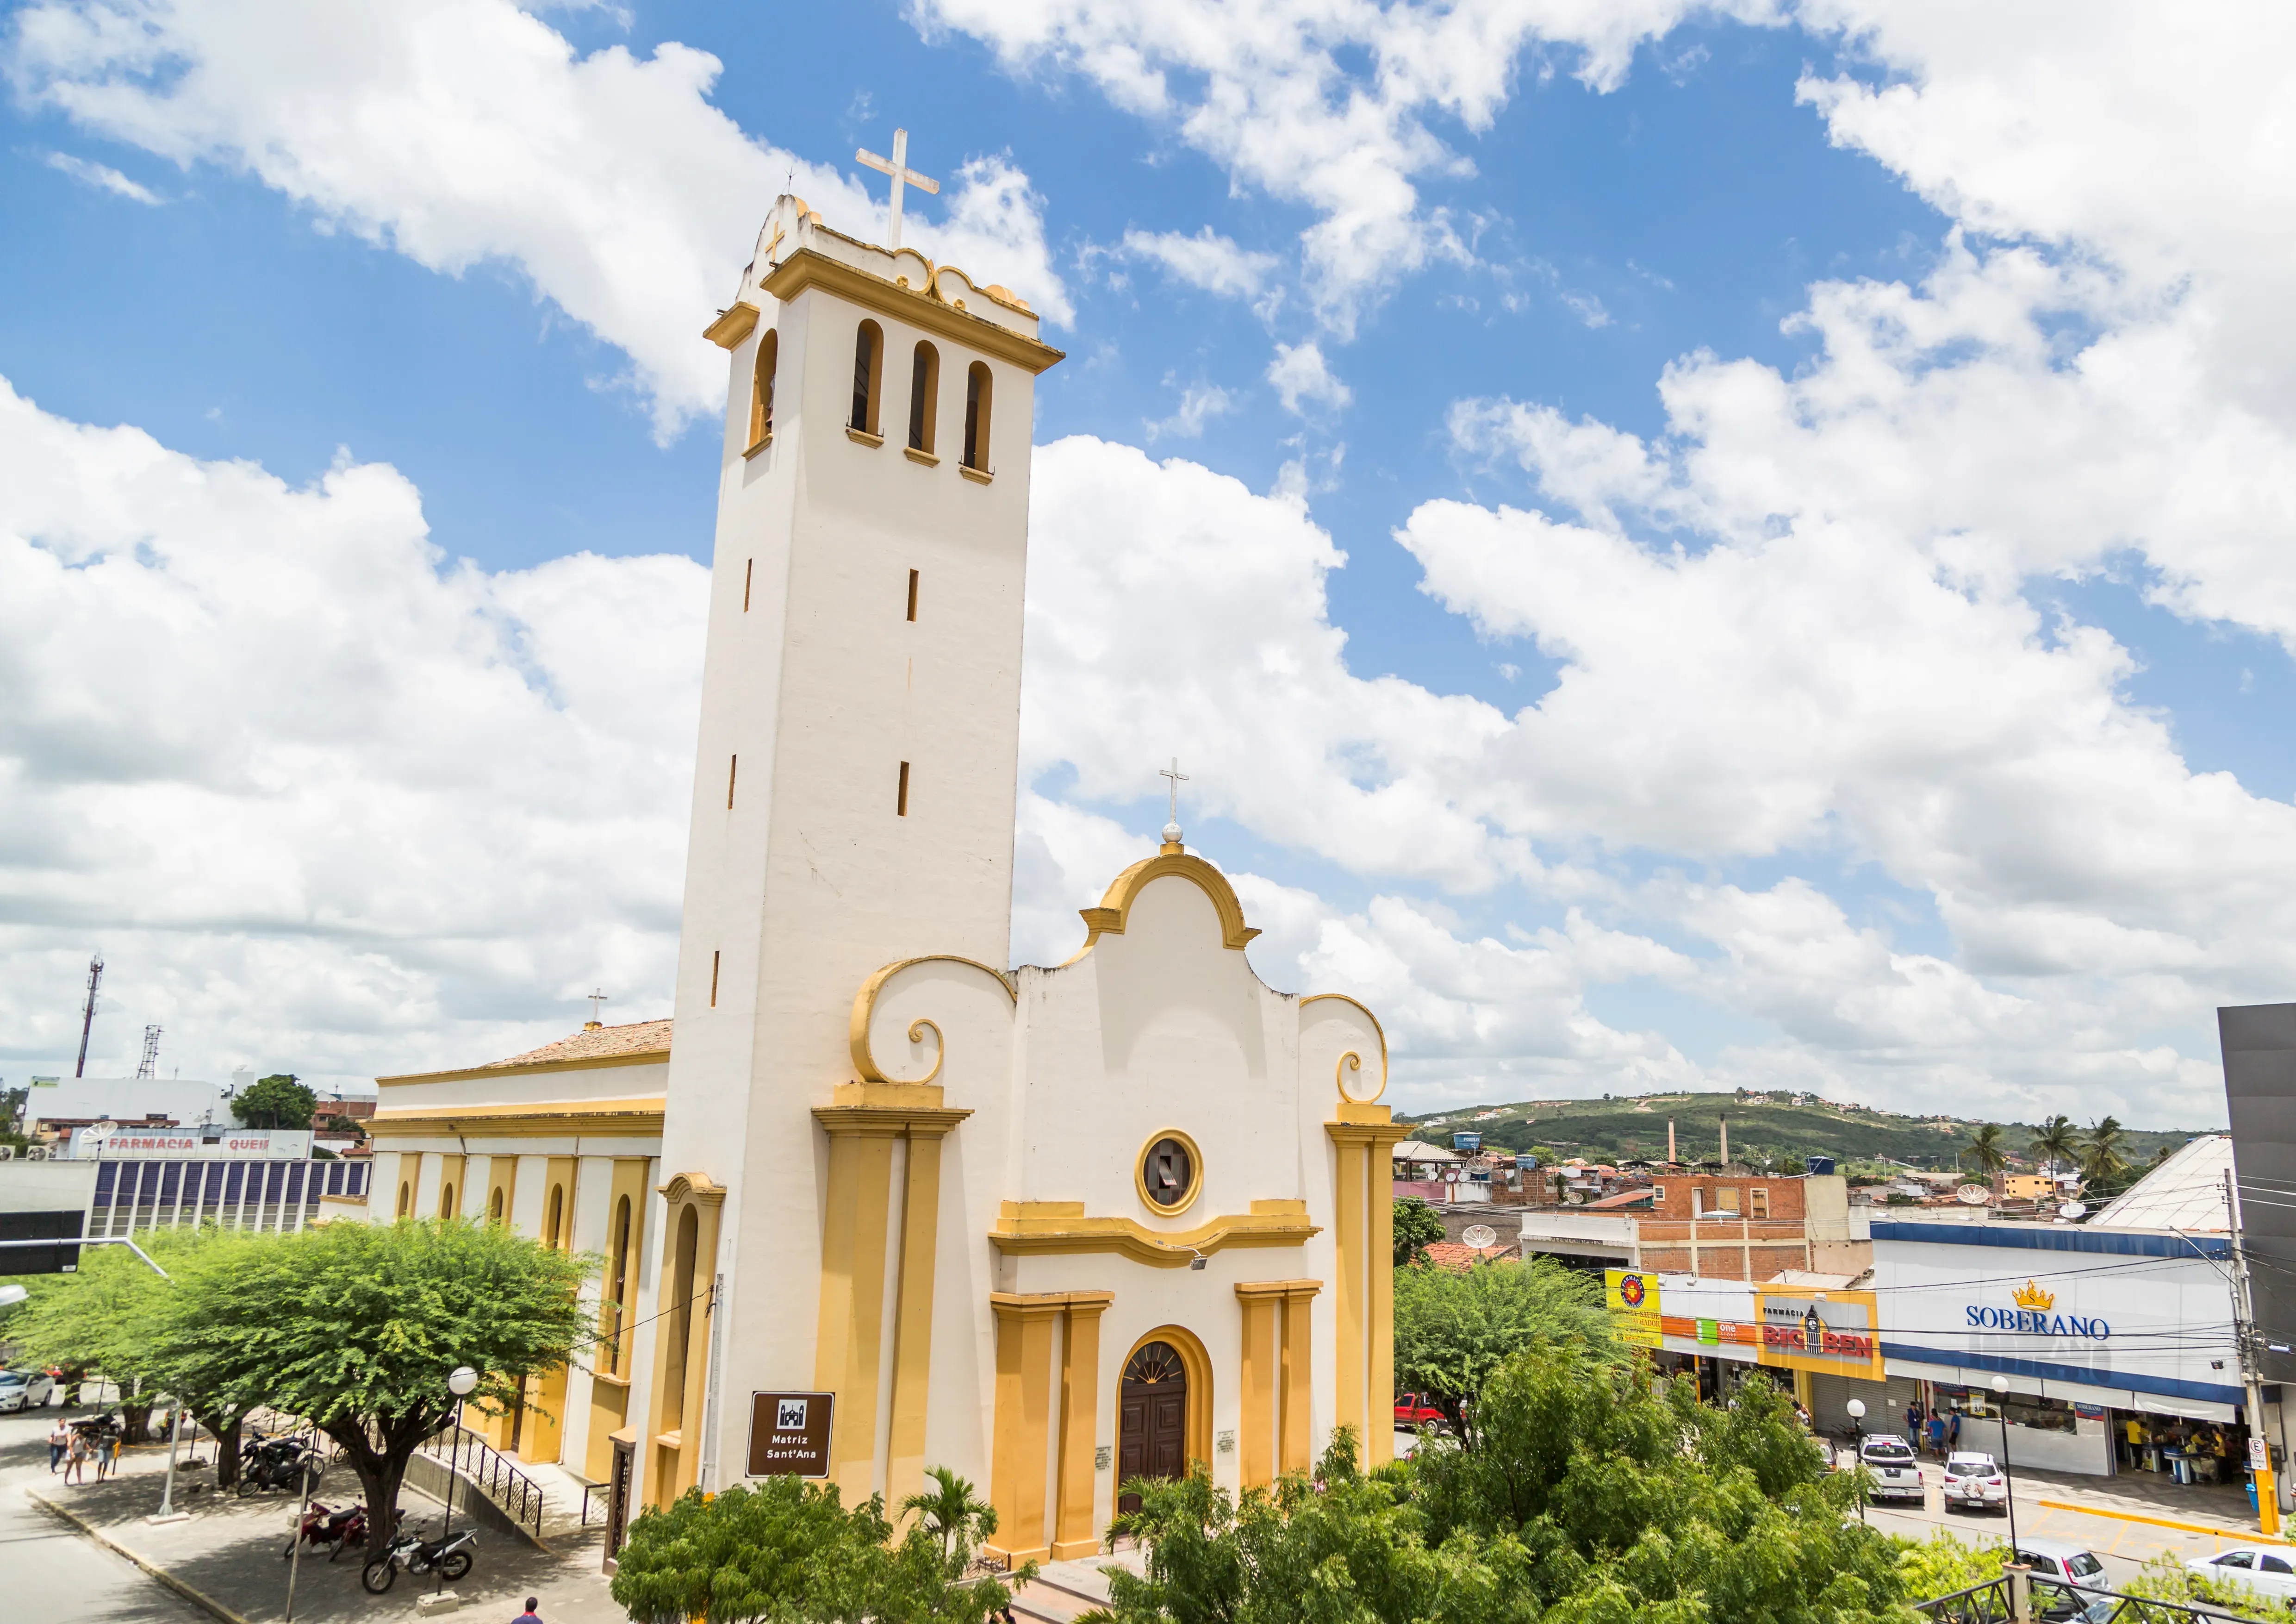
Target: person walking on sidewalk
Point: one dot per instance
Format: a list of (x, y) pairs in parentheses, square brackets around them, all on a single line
[(529, 1616), (59, 1440), (75, 1458)]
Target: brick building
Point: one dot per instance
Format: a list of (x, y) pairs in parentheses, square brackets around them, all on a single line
[(1730, 1225)]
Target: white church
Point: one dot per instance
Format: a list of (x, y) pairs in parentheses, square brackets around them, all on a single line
[(887, 1203)]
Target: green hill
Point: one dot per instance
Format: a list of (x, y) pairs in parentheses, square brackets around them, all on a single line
[(1762, 1127)]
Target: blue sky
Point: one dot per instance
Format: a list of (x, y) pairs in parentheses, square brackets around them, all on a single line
[(1807, 854)]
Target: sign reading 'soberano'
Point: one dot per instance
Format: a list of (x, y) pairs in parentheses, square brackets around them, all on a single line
[(2033, 1317)]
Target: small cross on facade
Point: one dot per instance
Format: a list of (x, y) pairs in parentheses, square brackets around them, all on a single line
[(1172, 829), (898, 168), (596, 998)]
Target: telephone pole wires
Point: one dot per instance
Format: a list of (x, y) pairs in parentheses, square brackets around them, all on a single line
[(2243, 1307)]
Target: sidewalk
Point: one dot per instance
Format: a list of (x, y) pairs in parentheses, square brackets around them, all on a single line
[(228, 1551)]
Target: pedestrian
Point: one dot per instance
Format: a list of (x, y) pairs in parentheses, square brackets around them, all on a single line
[(1952, 1432), (59, 1440), (1914, 1421), (75, 1458), (529, 1616), (1936, 1435)]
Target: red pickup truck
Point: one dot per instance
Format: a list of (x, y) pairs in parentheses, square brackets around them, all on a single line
[(1417, 1411)]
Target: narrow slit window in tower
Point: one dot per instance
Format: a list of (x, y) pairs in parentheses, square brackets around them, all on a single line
[(901, 795), (749, 572), (733, 766), (913, 594), (713, 980)]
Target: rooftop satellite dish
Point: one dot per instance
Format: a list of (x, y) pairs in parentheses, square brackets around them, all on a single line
[(101, 1130), (2073, 1209), (1973, 1195), (1480, 1235)]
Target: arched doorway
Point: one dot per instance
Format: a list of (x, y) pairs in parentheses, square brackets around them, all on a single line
[(1152, 1418)]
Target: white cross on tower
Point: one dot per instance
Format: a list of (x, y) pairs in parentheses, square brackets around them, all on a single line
[(596, 998), (1173, 771), (898, 168)]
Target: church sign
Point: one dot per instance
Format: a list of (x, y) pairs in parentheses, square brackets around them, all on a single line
[(789, 1434)]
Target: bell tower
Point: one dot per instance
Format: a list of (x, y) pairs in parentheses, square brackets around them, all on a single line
[(854, 784)]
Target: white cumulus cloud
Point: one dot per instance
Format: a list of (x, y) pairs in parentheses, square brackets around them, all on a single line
[(1303, 378)]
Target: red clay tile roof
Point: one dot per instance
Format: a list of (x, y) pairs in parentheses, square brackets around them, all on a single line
[(638, 1037)]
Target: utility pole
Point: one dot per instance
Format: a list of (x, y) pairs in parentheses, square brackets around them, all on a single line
[(2243, 1307), (87, 1014)]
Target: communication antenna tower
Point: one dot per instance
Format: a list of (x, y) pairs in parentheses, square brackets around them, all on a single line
[(150, 1062), (87, 1014)]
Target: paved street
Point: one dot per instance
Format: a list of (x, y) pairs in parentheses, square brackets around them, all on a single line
[(57, 1575)]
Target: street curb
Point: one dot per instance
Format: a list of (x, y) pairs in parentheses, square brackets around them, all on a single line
[(2190, 1528), (196, 1597)]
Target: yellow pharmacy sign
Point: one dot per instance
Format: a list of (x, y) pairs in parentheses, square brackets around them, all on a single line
[(1632, 1298)]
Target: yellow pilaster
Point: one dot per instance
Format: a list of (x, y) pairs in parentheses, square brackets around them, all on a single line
[(1256, 1450), (1076, 1532), (1350, 1349), (856, 1218), (1363, 1303), (1293, 1447), (1024, 1406), (905, 1467)]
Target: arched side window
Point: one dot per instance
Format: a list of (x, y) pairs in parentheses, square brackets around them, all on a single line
[(977, 389), (868, 376), (494, 1208), (924, 392), (617, 1288), (761, 391), (405, 1199), (446, 1201), (681, 1321), (555, 1216)]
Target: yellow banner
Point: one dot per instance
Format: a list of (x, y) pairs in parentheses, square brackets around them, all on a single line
[(1632, 1298)]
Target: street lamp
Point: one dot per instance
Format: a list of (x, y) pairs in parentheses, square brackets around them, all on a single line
[(462, 1383), (2001, 1397), (1857, 1408)]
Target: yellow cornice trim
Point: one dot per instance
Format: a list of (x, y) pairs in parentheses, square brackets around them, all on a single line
[(810, 267), (1340, 1074), (732, 326), (865, 1004), (1115, 909), (1278, 1288), (1357, 1125), (890, 1121), (638, 1057), (1051, 1227), (632, 1118)]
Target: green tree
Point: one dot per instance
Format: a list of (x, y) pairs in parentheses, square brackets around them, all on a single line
[(1986, 1150), (2057, 1140), (785, 1550), (1417, 1227), (356, 1327), (2102, 1163), (951, 1514), (277, 1102), (1452, 1329), (107, 1316), (1590, 1496)]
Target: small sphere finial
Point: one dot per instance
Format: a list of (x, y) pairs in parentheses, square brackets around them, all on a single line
[(1172, 837)]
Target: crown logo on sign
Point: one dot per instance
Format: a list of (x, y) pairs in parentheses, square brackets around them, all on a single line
[(2031, 1296)]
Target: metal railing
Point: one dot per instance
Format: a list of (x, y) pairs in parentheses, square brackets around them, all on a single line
[(2050, 1601), (518, 1496)]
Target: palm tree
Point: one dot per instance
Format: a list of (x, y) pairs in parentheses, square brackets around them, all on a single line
[(1984, 1150), (949, 1511), (2101, 1161), (2057, 1140)]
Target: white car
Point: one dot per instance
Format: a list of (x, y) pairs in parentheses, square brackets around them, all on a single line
[(24, 1390), (1975, 1480), (1896, 1474), (2266, 1569)]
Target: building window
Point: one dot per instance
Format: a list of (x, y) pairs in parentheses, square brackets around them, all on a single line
[(681, 1321), (556, 1217), (446, 1201), (901, 794), (616, 1308), (913, 594), (868, 365), (405, 1199), (1761, 1202), (977, 389), (925, 389), (494, 1208), (1726, 1201), (761, 391), (1170, 1173)]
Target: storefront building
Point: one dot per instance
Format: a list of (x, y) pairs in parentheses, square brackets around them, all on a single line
[(2118, 1345)]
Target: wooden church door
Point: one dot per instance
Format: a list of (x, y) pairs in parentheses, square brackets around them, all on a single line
[(1152, 1419)]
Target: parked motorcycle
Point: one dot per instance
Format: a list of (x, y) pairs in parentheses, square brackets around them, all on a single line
[(338, 1530), (417, 1554), (278, 1463)]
